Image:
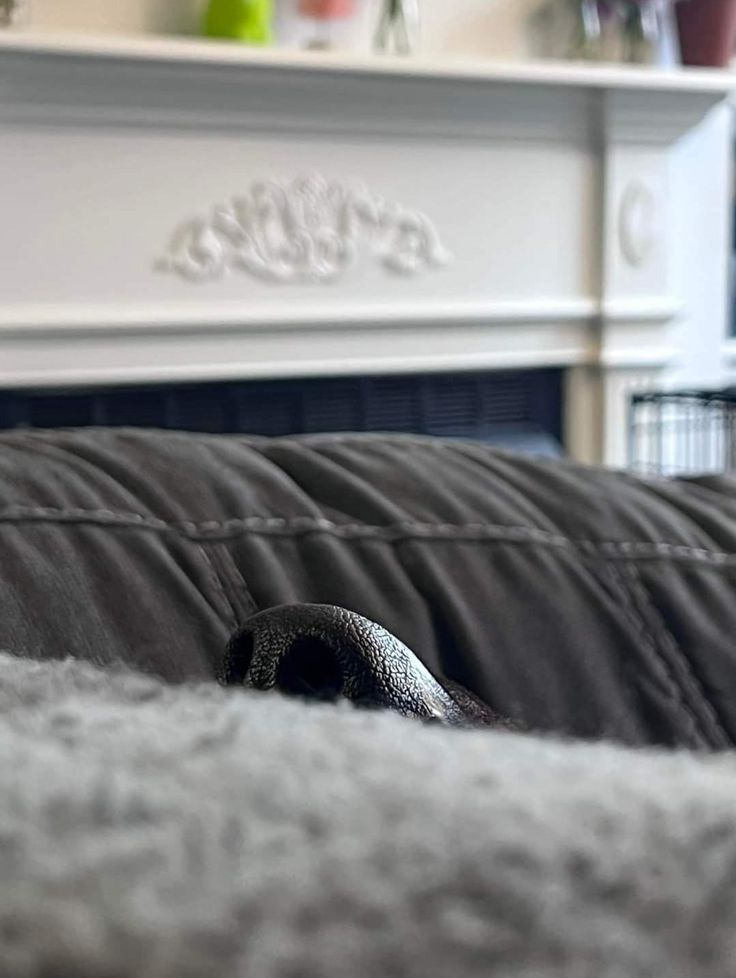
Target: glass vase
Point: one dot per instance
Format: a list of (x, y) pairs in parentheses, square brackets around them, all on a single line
[(587, 31), (398, 27), (642, 31)]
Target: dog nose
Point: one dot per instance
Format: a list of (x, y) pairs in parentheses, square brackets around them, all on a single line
[(324, 652)]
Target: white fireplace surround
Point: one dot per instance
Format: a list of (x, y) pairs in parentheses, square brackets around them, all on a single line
[(183, 210)]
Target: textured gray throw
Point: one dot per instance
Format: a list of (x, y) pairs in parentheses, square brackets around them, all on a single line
[(159, 832)]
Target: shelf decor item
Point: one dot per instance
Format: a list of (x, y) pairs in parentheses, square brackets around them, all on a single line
[(587, 31), (619, 30), (325, 14), (641, 29), (398, 27), (13, 12), (707, 32), (249, 21)]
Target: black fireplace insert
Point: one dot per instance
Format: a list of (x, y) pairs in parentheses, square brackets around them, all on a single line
[(517, 409)]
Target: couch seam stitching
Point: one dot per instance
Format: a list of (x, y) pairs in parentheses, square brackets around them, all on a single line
[(663, 668), (205, 530), (660, 631), (219, 588), (232, 577)]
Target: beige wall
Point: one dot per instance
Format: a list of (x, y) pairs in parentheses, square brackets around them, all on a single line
[(124, 16), (475, 27)]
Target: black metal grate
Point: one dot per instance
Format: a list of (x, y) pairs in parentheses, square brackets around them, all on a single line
[(521, 408), (683, 432)]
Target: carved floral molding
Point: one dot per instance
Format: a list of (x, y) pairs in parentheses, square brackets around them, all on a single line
[(307, 230)]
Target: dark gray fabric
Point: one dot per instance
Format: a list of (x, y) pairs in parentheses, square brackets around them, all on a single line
[(574, 600)]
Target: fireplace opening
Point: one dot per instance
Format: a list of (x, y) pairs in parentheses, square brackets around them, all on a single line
[(520, 409)]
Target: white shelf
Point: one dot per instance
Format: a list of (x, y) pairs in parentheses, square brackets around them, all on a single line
[(223, 55)]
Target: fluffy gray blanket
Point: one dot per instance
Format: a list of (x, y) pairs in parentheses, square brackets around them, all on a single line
[(157, 832)]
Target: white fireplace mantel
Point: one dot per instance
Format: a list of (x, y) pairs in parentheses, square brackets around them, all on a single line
[(180, 209)]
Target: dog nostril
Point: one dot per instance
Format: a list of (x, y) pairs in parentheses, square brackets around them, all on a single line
[(310, 668)]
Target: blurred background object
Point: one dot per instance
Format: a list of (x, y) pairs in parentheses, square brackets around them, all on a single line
[(633, 31), (707, 31), (325, 15), (608, 30), (463, 28), (690, 432), (249, 21), (398, 27), (13, 12), (641, 29)]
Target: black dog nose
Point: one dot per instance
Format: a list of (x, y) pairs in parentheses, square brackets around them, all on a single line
[(324, 652)]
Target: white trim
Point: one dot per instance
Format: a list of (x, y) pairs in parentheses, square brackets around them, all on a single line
[(582, 405), (729, 353), (122, 344), (185, 51), (172, 317), (56, 356), (636, 357), (99, 376), (113, 356), (637, 334), (645, 309), (86, 318), (178, 84)]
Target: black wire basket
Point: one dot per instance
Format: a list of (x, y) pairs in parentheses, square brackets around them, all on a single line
[(683, 432)]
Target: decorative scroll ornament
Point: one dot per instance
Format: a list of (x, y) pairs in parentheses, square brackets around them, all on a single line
[(308, 230), (638, 223)]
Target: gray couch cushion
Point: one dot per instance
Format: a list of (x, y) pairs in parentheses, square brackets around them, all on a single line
[(574, 600)]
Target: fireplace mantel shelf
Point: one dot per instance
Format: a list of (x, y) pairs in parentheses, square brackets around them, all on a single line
[(193, 210), (196, 53)]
